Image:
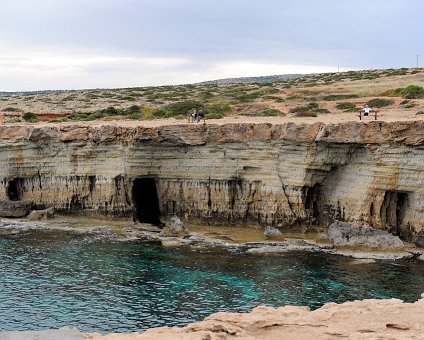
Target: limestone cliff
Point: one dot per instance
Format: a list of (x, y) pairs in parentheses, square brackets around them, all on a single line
[(289, 175)]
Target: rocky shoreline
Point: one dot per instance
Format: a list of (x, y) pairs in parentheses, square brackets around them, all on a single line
[(242, 239), (366, 319)]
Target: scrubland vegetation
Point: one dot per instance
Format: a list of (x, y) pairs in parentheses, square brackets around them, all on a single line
[(307, 96)]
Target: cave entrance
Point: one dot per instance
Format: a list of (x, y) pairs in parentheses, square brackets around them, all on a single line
[(393, 211), (14, 189), (311, 196), (145, 200)]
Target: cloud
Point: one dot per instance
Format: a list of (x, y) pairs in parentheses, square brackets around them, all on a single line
[(111, 43), (48, 70)]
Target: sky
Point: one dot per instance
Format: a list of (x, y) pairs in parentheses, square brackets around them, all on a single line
[(77, 44)]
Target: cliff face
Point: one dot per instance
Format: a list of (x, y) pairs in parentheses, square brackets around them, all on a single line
[(290, 175)]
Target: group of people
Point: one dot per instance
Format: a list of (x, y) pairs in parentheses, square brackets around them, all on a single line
[(196, 116)]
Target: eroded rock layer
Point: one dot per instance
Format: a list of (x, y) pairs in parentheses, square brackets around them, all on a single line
[(287, 175)]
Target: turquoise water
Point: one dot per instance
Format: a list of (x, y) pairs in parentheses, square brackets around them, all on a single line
[(53, 279)]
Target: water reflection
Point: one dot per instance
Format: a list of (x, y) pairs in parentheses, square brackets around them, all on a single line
[(53, 279)]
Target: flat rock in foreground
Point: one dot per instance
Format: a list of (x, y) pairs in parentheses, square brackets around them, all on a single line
[(367, 319)]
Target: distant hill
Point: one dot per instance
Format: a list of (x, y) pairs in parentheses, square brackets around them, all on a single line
[(262, 79)]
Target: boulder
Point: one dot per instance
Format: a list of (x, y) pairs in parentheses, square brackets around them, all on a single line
[(174, 228), (418, 240), (45, 214), (357, 234), (14, 208), (271, 232)]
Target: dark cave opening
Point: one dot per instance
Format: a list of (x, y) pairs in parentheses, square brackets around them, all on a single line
[(393, 210), (14, 189), (311, 196), (145, 200)]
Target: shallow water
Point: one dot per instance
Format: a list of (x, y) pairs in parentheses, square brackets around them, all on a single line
[(52, 279)]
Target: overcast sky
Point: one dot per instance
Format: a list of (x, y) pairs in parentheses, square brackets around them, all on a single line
[(73, 44)]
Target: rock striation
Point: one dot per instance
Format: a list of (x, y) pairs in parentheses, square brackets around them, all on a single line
[(289, 175)]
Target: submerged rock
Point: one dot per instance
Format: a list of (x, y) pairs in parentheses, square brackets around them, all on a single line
[(15, 208), (358, 234), (271, 232), (45, 214), (174, 228)]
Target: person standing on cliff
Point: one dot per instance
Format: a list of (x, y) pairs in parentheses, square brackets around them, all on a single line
[(193, 116), (200, 116)]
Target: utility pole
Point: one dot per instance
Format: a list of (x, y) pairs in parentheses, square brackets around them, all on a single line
[(417, 59)]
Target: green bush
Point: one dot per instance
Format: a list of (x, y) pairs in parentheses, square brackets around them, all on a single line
[(265, 113), (132, 110), (332, 97), (346, 107), (312, 106), (413, 92), (11, 109), (214, 116), (319, 110), (378, 102), (420, 113), (110, 111), (220, 108), (305, 114), (29, 117), (409, 92), (182, 108)]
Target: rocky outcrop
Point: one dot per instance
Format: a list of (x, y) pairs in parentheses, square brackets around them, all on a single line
[(271, 232), (44, 214), (343, 234), (174, 228), (291, 175), (367, 319), (14, 208)]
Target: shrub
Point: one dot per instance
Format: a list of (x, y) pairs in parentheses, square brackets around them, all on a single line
[(305, 114), (312, 106), (346, 107), (378, 102), (11, 109), (332, 97), (214, 116), (110, 111), (132, 111), (413, 92), (272, 112), (263, 113), (134, 116), (219, 108), (299, 109), (319, 110), (148, 112), (420, 113), (179, 108), (410, 92), (29, 117)]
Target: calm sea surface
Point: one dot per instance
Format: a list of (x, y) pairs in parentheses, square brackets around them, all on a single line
[(55, 279)]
